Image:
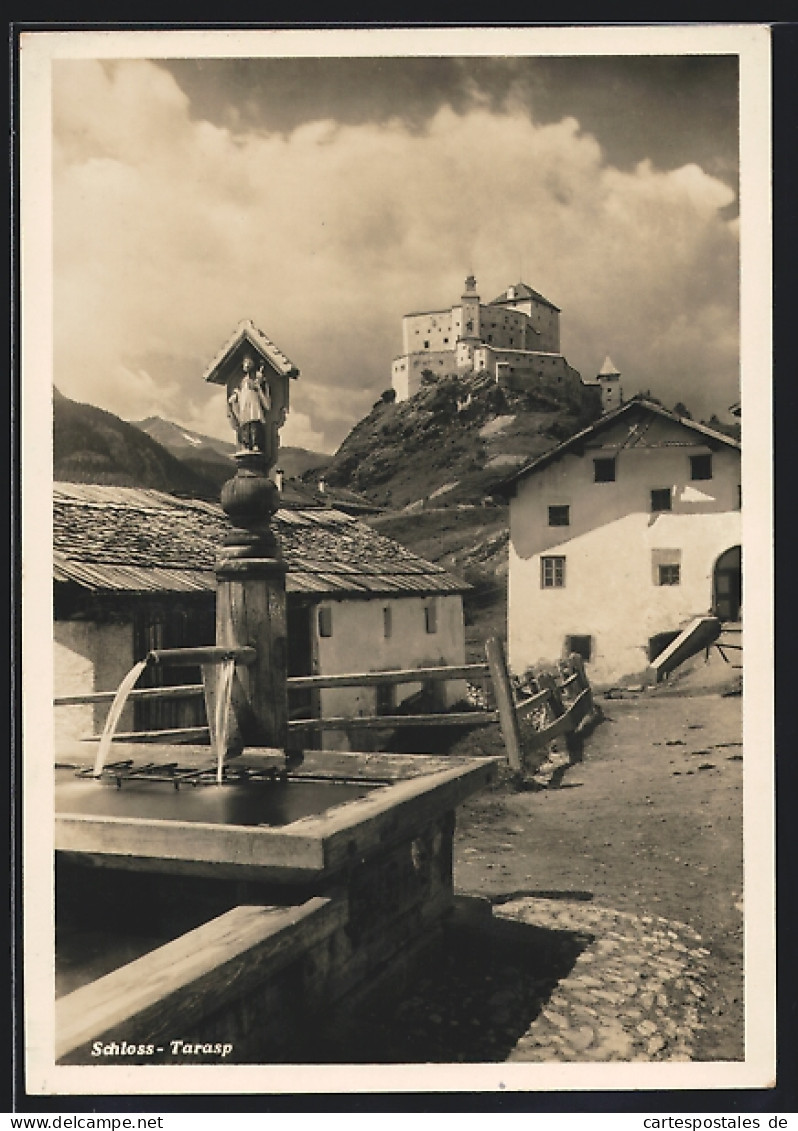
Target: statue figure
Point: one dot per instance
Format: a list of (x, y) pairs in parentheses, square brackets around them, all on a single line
[(248, 406)]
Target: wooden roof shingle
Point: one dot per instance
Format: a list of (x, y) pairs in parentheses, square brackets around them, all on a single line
[(125, 539)]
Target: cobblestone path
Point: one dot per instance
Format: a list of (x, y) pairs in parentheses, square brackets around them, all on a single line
[(637, 992), (544, 979)]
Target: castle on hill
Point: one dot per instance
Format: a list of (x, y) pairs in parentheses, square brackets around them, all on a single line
[(515, 338)]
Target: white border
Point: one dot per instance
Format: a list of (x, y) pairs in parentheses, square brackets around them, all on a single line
[(37, 49)]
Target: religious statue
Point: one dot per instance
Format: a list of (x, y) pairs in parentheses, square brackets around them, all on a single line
[(248, 406)]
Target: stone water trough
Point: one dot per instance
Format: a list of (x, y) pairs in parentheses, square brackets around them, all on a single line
[(237, 917)]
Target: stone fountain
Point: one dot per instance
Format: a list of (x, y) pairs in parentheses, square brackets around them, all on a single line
[(232, 899)]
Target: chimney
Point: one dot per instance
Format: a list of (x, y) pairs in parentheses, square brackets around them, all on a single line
[(278, 479), (322, 485)]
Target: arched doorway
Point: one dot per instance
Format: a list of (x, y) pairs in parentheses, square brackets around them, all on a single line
[(727, 584)]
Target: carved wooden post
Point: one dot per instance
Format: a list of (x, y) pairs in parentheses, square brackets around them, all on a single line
[(250, 571)]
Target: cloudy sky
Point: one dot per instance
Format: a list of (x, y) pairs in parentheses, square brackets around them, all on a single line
[(325, 197)]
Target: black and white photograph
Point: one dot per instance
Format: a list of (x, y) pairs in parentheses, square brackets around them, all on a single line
[(384, 508)]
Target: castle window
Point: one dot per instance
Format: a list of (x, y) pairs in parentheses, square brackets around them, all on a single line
[(604, 470), (559, 516), (446, 341), (660, 499), (700, 467), (552, 572), (426, 345)]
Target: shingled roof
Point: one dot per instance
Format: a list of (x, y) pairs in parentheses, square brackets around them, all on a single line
[(635, 408), (522, 291), (247, 331), (124, 539)]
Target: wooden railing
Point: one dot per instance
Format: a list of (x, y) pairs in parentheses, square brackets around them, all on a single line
[(530, 715)]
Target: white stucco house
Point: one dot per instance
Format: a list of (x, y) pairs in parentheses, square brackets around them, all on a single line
[(619, 537), (134, 570)]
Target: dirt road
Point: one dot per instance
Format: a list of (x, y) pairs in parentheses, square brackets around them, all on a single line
[(648, 825)]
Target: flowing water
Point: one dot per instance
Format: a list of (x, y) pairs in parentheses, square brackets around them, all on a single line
[(224, 691), (117, 707)]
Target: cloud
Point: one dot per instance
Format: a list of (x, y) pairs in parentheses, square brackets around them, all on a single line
[(170, 230)]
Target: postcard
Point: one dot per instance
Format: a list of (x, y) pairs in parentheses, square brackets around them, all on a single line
[(383, 498)]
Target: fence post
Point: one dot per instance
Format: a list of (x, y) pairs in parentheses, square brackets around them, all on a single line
[(505, 703), (547, 682)]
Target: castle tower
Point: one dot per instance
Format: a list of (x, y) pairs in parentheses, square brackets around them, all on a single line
[(465, 316), (609, 379)]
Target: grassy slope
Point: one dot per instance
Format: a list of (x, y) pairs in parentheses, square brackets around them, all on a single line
[(426, 451), (94, 446)]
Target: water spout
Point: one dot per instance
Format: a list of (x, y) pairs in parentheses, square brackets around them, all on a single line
[(117, 707), (224, 694)]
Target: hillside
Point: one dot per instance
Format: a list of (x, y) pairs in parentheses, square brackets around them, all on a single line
[(452, 441), (432, 460), (297, 462), (208, 457), (94, 446), (213, 458)]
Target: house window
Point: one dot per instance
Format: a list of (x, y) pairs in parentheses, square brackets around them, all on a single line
[(660, 499), (559, 516), (387, 622), (700, 467), (325, 621), (552, 572), (426, 345), (431, 617), (603, 470), (581, 645), (666, 567), (739, 496)]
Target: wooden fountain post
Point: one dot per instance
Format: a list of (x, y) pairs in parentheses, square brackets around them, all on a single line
[(250, 571)]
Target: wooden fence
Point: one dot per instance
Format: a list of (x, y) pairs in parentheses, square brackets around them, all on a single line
[(530, 713)]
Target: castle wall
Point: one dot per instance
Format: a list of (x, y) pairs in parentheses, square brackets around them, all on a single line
[(428, 331), (446, 341), (406, 371), (544, 319), (507, 329)]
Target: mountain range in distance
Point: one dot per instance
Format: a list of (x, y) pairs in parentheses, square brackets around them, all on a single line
[(213, 458), (91, 445)]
